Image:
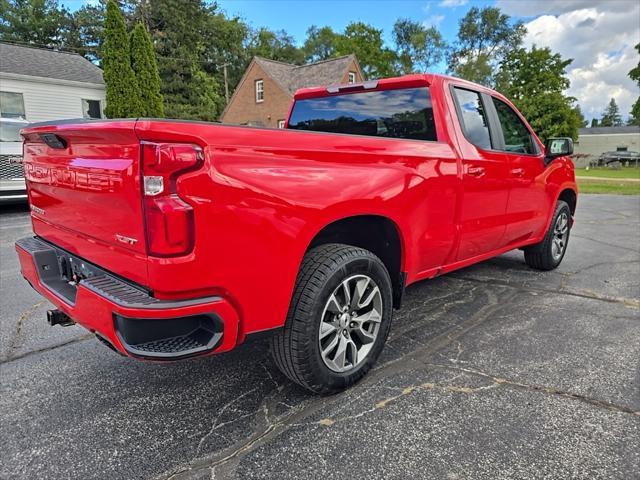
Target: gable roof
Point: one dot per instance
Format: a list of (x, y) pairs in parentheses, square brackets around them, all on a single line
[(609, 130), (280, 72), (293, 77), (42, 62)]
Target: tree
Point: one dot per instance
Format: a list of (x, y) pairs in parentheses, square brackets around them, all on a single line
[(634, 117), (366, 43), (86, 31), (123, 96), (484, 38), (580, 115), (594, 122), (359, 39), (145, 67), (38, 22), (611, 116), (224, 51), (634, 74), (275, 46), (535, 81), (635, 71), (178, 30), (320, 44), (418, 47)]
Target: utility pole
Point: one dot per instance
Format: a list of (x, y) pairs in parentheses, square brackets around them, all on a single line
[(226, 82)]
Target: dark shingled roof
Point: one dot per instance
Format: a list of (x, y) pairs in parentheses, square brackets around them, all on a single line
[(293, 77), (41, 62), (609, 130)]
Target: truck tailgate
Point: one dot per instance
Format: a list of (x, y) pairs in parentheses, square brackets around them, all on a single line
[(85, 192)]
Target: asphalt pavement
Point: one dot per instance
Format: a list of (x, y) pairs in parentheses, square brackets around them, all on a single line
[(495, 371)]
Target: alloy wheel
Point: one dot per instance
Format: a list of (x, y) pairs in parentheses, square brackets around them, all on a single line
[(350, 323)]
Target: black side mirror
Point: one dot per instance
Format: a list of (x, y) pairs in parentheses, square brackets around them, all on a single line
[(557, 147)]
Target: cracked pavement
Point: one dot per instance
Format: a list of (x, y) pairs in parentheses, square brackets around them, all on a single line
[(494, 371)]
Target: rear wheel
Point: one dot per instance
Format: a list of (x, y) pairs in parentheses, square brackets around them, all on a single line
[(338, 321), (548, 254)]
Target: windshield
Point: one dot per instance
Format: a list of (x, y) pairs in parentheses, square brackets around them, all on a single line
[(10, 132)]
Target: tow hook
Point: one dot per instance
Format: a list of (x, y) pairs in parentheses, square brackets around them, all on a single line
[(56, 317)]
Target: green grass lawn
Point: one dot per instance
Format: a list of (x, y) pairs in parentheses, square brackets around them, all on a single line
[(615, 183), (624, 172), (613, 187)]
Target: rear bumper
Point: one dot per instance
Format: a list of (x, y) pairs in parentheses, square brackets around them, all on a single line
[(12, 190), (132, 321)]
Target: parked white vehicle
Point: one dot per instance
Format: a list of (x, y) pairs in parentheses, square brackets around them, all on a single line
[(12, 185)]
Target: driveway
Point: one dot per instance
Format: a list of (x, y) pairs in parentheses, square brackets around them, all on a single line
[(494, 371)]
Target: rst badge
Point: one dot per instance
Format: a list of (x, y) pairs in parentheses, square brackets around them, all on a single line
[(38, 210), (127, 240)]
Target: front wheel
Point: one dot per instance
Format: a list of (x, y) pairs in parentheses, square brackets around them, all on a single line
[(548, 254), (338, 321)]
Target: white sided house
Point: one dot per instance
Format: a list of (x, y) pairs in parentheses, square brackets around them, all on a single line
[(39, 85)]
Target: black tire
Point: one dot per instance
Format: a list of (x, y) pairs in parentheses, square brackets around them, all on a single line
[(540, 256), (295, 348)]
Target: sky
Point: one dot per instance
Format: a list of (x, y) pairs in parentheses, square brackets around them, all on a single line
[(599, 35)]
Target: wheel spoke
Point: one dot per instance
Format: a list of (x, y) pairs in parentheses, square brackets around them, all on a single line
[(346, 293), (361, 287), (375, 291), (371, 316), (330, 346), (326, 329), (352, 352), (341, 353), (365, 336), (333, 305)]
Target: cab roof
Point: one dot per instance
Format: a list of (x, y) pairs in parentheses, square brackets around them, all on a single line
[(405, 81)]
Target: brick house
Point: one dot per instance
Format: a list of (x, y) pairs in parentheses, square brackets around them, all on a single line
[(263, 95)]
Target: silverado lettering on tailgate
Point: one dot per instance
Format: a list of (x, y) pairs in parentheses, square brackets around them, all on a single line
[(77, 178)]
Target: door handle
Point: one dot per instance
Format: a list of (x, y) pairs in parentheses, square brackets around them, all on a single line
[(517, 172), (475, 171)]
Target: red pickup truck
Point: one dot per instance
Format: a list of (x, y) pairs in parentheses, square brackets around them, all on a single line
[(171, 239)]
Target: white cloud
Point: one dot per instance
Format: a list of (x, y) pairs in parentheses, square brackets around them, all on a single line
[(599, 36), (452, 3), (433, 20), (533, 8)]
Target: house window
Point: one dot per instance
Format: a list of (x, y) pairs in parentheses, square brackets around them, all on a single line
[(259, 91), (621, 149), (11, 105), (280, 123), (352, 77), (91, 109)]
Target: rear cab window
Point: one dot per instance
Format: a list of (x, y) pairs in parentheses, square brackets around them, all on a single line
[(400, 113)]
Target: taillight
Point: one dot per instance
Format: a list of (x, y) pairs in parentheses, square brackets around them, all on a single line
[(169, 219)]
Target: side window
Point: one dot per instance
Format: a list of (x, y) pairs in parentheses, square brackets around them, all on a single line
[(517, 137), (11, 105), (259, 91), (91, 108), (474, 117)]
